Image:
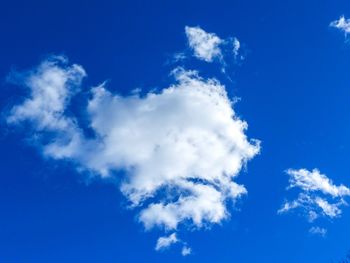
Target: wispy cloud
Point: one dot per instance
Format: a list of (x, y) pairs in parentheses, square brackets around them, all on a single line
[(318, 196), (342, 24), (51, 86), (236, 47), (166, 241), (316, 230)]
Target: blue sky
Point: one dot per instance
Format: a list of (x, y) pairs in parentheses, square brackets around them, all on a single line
[(293, 89)]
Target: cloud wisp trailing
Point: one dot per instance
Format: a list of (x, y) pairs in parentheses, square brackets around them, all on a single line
[(180, 149), (318, 195)]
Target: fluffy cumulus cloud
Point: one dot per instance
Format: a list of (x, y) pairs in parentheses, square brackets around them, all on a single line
[(209, 47), (318, 195), (180, 149), (342, 24)]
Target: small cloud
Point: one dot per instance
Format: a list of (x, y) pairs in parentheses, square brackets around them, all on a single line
[(179, 56), (342, 24), (313, 181), (236, 47), (209, 47), (186, 251), (205, 45), (318, 195), (166, 241), (315, 230)]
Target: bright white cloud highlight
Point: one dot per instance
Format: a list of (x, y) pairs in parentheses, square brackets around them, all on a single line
[(318, 195), (180, 149), (342, 24)]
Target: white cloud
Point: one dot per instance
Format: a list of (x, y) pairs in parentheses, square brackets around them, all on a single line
[(186, 140), (165, 242), (318, 195), (180, 149), (342, 24), (203, 204), (236, 47), (186, 251), (51, 87), (315, 181), (316, 230), (209, 47), (328, 209), (205, 45)]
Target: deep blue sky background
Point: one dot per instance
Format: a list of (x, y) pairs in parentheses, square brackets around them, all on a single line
[(294, 88)]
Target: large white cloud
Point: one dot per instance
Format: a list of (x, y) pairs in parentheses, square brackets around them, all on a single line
[(180, 148), (318, 196)]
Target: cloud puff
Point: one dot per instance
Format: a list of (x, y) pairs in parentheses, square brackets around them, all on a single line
[(180, 149), (342, 24), (165, 242), (318, 196), (209, 47), (186, 251), (205, 45)]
